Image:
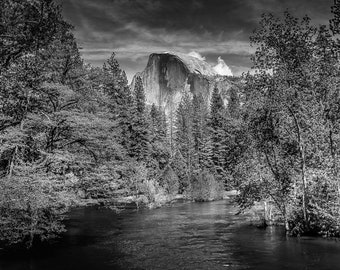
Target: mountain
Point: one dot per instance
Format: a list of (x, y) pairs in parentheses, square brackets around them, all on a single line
[(168, 75)]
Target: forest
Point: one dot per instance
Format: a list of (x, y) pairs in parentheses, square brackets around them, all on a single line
[(72, 134)]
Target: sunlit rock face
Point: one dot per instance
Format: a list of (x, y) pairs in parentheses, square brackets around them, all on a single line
[(168, 75)]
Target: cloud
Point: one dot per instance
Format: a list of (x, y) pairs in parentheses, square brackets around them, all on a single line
[(197, 55), (136, 28), (222, 68)]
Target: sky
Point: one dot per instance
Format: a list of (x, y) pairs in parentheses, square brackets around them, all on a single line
[(215, 30)]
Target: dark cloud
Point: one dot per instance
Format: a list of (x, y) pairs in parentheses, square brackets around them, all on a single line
[(136, 28)]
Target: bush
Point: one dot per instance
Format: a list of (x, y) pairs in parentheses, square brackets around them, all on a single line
[(323, 214), (149, 188), (169, 181), (32, 208), (180, 169), (204, 187)]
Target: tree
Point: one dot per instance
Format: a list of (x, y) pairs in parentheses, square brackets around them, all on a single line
[(47, 143), (115, 86), (201, 134), (217, 118), (158, 123), (288, 105), (160, 147), (26, 27), (140, 136), (184, 132), (335, 21)]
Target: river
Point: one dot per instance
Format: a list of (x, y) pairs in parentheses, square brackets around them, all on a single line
[(184, 236)]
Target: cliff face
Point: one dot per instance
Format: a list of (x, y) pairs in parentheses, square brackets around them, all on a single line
[(167, 76)]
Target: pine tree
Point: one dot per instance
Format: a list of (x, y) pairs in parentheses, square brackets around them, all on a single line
[(116, 86), (163, 127), (217, 118), (120, 100), (160, 151), (158, 124), (234, 103), (139, 96), (184, 132), (201, 136), (154, 118), (140, 137)]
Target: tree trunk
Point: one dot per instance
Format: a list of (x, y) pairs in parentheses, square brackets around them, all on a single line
[(265, 212), (285, 218), (286, 224), (11, 166), (304, 187), (302, 164)]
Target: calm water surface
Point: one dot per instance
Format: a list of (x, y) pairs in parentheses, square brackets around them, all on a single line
[(185, 236)]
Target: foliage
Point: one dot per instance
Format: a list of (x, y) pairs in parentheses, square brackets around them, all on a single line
[(70, 132), (27, 27), (217, 118), (32, 206), (169, 181), (140, 137), (184, 130), (291, 113), (204, 187)]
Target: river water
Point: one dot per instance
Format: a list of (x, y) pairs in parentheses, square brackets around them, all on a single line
[(184, 236)]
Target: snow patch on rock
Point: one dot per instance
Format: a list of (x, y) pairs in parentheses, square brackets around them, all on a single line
[(222, 68)]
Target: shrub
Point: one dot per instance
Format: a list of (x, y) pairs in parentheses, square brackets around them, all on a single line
[(32, 208), (169, 181), (322, 210), (204, 187)]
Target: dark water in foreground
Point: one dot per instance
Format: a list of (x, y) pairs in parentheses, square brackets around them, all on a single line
[(186, 236)]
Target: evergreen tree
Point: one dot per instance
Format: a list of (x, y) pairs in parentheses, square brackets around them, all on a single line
[(120, 101), (184, 132), (201, 135), (234, 103), (158, 124), (154, 117), (160, 147), (163, 126), (139, 96), (140, 136), (116, 86), (217, 118)]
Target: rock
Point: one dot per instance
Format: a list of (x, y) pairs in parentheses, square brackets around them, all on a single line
[(168, 75)]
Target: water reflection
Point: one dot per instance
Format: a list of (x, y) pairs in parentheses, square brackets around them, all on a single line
[(187, 236)]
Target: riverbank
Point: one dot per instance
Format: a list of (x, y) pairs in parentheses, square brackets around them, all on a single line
[(142, 201)]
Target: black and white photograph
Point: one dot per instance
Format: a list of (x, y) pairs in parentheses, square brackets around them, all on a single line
[(169, 134)]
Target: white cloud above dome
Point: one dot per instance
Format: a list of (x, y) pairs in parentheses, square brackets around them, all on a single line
[(197, 55)]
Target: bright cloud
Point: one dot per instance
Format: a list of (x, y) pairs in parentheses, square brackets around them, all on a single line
[(197, 55)]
